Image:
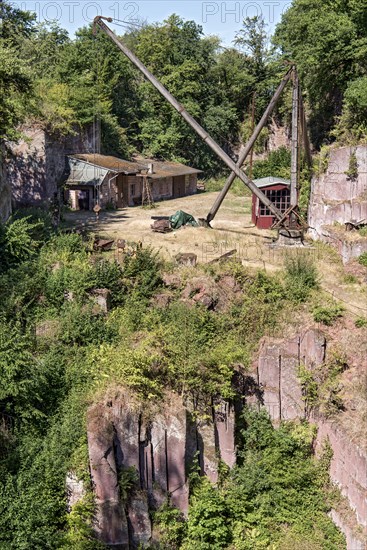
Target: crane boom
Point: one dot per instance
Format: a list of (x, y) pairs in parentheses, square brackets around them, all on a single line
[(189, 119)]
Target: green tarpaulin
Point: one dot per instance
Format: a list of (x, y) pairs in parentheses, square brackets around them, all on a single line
[(182, 218)]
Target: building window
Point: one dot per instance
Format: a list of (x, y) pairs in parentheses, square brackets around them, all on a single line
[(132, 190), (280, 199)]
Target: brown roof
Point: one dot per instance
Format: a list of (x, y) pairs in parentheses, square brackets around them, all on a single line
[(164, 169), (113, 164), (161, 169)]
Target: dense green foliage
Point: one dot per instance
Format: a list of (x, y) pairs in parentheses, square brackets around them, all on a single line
[(66, 83), (274, 498), (328, 314), (328, 42), (58, 351)]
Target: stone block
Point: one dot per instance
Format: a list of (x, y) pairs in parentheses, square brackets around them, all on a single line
[(269, 377), (224, 418), (188, 259), (140, 526), (312, 348), (111, 521), (102, 298), (209, 456)]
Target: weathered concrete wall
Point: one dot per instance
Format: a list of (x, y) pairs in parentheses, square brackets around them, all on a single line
[(5, 190), (36, 165), (337, 198), (276, 375)]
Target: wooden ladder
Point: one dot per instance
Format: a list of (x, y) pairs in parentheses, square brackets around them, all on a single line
[(146, 196)]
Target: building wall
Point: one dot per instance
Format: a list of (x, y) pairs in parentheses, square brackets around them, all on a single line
[(72, 196), (162, 188), (191, 183), (127, 190), (36, 165), (108, 191)]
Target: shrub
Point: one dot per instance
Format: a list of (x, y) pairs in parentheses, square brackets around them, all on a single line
[(361, 322), (107, 274), (141, 272), (321, 384), (19, 240), (172, 526), (349, 278), (352, 171), (301, 276), (208, 526), (328, 314), (363, 259)]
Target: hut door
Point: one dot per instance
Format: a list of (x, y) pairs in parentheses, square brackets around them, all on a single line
[(179, 186)]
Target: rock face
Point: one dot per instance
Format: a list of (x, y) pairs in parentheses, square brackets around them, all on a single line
[(139, 457), (276, 375), (161, 448), (36, 166), (5, 190), (337, 198)]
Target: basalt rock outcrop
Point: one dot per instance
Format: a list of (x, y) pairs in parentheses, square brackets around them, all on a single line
[(276, 375), (156, 448), (141, 455), (5, 189)]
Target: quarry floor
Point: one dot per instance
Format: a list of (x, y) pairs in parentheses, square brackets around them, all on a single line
[(231, 229)]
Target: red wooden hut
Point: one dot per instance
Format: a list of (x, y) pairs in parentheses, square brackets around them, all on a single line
[(278, 191)]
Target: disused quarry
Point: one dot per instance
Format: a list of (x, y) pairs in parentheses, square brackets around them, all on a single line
[(201, 387)]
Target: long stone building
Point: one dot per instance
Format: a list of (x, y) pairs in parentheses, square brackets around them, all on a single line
[(110, 181)]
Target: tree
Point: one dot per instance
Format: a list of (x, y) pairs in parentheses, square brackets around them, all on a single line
[(327, 41), (253, 39), (15, 78)]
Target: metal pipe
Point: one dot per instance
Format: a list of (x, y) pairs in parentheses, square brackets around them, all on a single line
[(189, 119), (249, 145), (294, 145)]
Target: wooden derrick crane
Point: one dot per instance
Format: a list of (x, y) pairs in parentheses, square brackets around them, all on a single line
[(147, 196), (236, 170)]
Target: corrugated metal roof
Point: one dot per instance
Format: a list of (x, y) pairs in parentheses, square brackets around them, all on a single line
[(164, 169), (83, 173), (113, 164), (270, 180)]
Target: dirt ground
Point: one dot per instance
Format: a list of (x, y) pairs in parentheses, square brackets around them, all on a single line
[(231, 229)]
